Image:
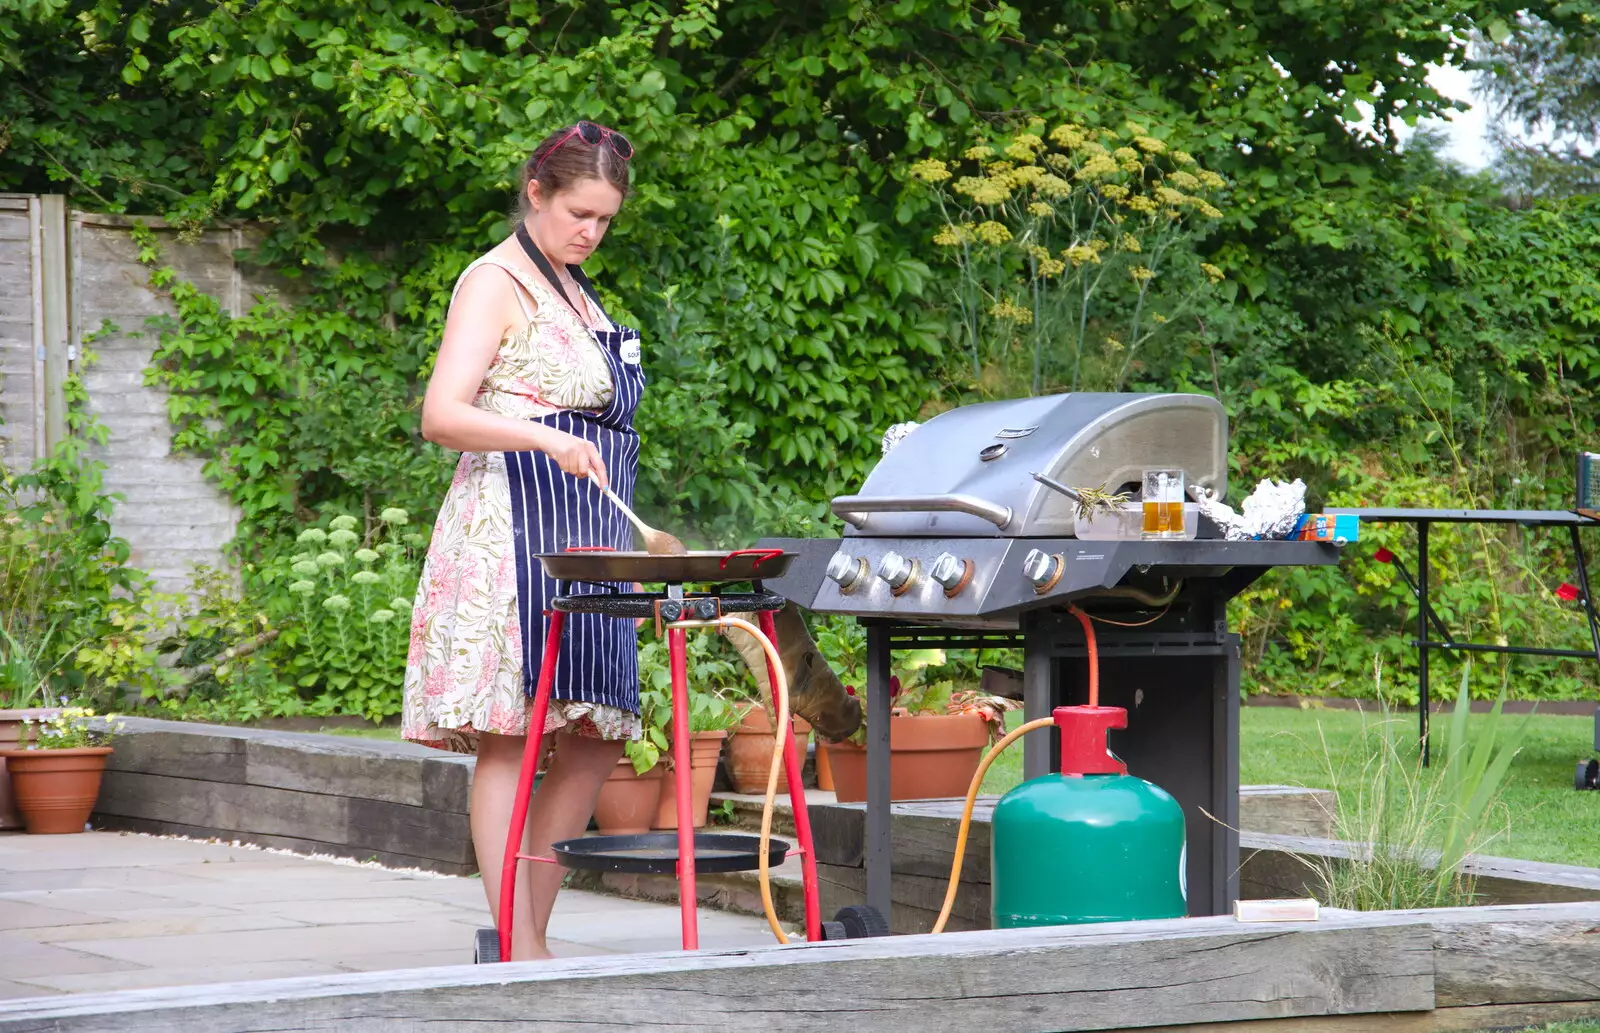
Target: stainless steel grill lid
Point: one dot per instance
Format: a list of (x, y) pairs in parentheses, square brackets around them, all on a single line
[(966, 472)]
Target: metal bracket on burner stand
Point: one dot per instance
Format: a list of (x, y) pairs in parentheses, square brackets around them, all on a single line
[(701, 608)]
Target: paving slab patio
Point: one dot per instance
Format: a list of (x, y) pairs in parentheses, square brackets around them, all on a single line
[(120, 911)]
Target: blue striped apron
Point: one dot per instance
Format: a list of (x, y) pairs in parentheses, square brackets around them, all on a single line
[(552, 511)]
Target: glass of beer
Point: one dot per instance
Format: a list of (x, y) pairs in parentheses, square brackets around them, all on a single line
[(1163, 504)]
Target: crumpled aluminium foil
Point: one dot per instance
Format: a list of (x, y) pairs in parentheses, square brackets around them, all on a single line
[(1270, 512), (896, 434)]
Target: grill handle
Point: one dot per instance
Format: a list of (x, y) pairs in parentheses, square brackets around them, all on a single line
[(853, 509)]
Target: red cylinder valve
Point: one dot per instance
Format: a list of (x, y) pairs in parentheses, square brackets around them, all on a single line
[(1083, 739)]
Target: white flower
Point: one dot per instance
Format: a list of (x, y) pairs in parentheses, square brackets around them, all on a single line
[(330, 559), (394, 515), (312, 536), (366, 556), (343, 538), (303, 587), (336, 603), (365, 577), (307, 568), (343, 523), (400, 605), (381, 616)]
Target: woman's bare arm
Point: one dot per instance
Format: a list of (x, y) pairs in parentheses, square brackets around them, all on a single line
[(479, 318)]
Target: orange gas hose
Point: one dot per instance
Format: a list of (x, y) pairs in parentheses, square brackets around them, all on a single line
[(1094, 654), (966, 813), (995, 751)]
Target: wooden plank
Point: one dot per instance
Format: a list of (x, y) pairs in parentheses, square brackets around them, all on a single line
[(731, 891), (1275, 866), (207, 753), (1517, 954), (915, 900), (358, 824), (21, 390), (54, 277), (1287, 810), (922, 836), (394, 772), (225, 805), (1131, 974), (1441, 1020), (342, 767)]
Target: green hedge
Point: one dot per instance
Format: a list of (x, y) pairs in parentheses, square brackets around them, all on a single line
[(1385, 328)]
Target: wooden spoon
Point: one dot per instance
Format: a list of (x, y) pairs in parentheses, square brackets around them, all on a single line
[(656, 543)]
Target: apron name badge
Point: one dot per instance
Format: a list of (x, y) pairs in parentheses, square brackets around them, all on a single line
[(630, 352)]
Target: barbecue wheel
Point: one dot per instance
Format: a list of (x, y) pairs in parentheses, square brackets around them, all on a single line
[(486, 951), (1588, 775), (860, 921)]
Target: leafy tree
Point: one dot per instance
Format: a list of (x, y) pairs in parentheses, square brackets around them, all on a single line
[(1545, 79), (1382, 328)]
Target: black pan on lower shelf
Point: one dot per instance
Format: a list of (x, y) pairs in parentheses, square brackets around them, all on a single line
[(656, 853)]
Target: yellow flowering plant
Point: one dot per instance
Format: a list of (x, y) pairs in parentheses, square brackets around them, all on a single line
[(1046, 222), (72, 728)]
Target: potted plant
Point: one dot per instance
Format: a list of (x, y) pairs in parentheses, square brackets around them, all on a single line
[(627, 801), (57, 768), (641, 792), (937, 733), (750, 748), (711, 715), (25, 671)]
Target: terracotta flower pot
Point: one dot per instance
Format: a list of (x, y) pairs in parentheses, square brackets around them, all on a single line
[(10, 735), (931, 756), (824, 768), (627, 800), (56, 789), (704, 749), (750, 751)]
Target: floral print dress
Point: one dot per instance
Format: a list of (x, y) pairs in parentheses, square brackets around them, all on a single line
[(464, 670)]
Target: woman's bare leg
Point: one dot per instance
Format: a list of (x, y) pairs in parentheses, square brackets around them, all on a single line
[(494, 789), (561, 809)]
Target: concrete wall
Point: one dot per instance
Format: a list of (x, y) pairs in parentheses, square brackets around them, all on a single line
[(172, 517), (63, 274)]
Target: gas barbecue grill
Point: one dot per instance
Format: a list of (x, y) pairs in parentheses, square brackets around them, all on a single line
[(953, 542)]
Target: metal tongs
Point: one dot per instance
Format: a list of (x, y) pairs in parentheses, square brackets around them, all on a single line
[(1055, 485)]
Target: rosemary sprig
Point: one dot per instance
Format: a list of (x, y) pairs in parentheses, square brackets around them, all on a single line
[(1095, 500)]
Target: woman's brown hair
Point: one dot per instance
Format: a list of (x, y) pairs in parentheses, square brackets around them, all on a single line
[(563, 160)]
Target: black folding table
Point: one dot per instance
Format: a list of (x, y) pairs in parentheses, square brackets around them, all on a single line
[(1536, 518)]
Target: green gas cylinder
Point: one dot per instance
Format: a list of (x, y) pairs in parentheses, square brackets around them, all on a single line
[(1089, 843)]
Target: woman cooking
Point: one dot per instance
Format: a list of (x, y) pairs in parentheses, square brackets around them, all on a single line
[(537, 388)]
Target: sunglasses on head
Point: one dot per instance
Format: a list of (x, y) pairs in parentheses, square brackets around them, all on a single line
[(591, 133)]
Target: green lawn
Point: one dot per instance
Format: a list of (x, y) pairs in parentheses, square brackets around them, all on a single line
[(1544, 818)]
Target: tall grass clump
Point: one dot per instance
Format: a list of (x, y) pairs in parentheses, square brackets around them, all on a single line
[(1411, 829)]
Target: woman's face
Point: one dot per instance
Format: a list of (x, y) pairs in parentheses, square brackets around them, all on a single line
[(569, 225)]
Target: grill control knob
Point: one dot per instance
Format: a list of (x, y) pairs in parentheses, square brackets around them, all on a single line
[(899, 572), (1043, 569), (952, 572), (846, 570)]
